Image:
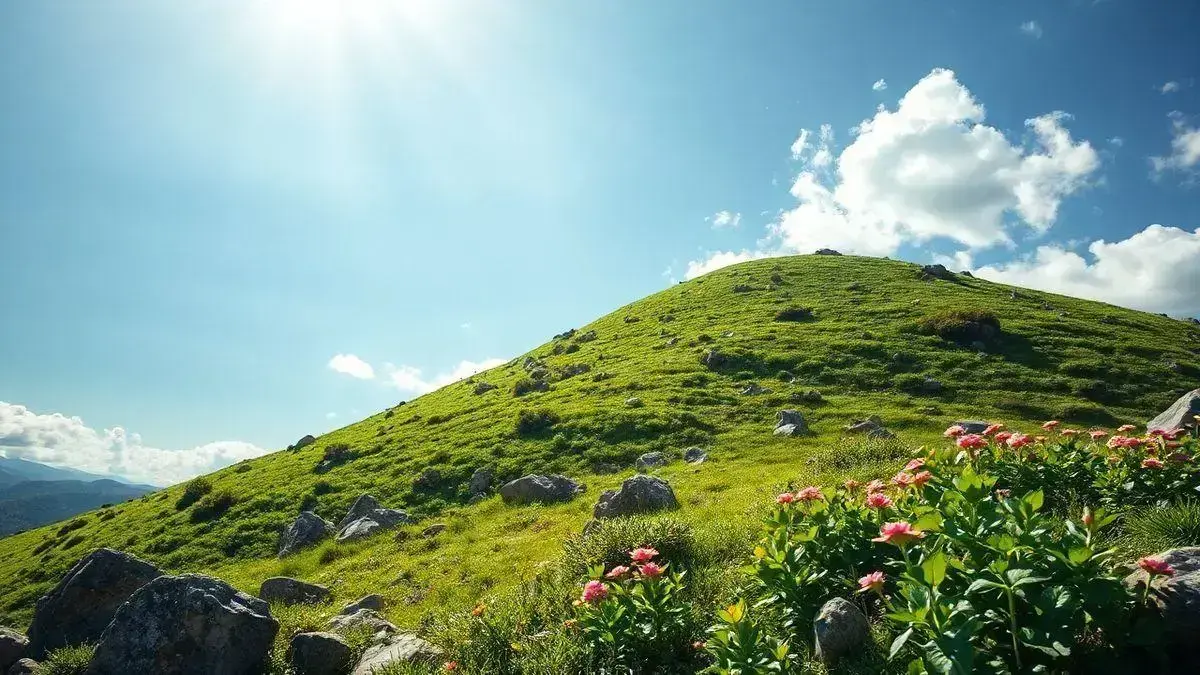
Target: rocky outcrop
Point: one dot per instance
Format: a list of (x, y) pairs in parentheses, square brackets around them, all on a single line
[(373, 602), (304, 442), (540, 489), (790, 423), (640, 494), (84, 602), (937, 272), (650, 460), (187, 625), (319, 654), (839, 629), (289, 591), (1177, 598), (400, 649), (367, 517), (694, 455), (825, 251), (308, 529), (1181, 415), (13, 647)]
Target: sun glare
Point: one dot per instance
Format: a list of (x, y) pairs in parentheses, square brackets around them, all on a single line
[(314, 24)]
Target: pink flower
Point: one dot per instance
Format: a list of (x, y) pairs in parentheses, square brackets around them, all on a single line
[(875, 486), (1124, 442), (642, 555), (450, 666), (993, 428), (1156, 433), (1019, 440), (954, 431), (652, 571), (852, 485), (1097, 434), (878, 500), (810, 494), (785, 498), (1049, 426), (1069, 432), (903, 479), (898, 533), (872, 582), (914, 464), (1088, 517), (618, 572), (1002, 437), (1152, 463), (971, 442), (1155, 567), (1125, 428), (594, 591)]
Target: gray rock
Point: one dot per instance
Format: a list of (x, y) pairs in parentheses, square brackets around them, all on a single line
[(694, 455), (187, 625), (1181, 414), (839, 629), (308, 529), (973, 426), (373, 602), (937, 272), (650, 460), (790, 423), (366, 517), (84, 602), (481, 481), (484, 387), (289, 591), (633, 402), (1178, 600), (754, 389), (931, 386), (713, 359), (402, 648), (360, 529), (872, 427), (24, 667), (433, 530), (367, 619), (586, 337), (545, 489), (640, 494), (319, 654), (428, 479), (826, 251), (304, 442), (13, 646)]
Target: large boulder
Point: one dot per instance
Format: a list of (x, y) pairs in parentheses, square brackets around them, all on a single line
[(308, 529), (937, 272), (1177, 598), (398, 650), (373, 602), (650, 460), (1181, 415), (839, 629), (84, 602), (187, 625), (790, 423), (366, 517), (13, 646), (304, 442), (364, 619), (826, 251), (640, 494), (544, 489), (481, 481), (289, 591), (319, 654)]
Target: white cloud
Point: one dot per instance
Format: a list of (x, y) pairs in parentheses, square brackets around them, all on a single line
[(1116, 141), (349, 364), (719, 259), (1169, 87), (1032, 29), (411, 379), (725, 219), (800, 144), (879, 85), (66, 441), (1185, 147), (1157, 270)]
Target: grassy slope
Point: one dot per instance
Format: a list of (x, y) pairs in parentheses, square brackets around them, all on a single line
[(1084, 362)]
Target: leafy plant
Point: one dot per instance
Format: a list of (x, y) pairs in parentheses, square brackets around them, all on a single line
[(193, 490)]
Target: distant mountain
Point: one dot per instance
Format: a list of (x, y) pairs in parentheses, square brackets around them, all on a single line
[(14, 470), (32, 503)]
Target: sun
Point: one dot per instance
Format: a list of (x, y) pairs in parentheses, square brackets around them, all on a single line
[(322, 23)]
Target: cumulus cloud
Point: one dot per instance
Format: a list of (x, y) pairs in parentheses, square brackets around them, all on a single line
[(66, 441), (1169, 87), (879, 85), (718, 259), (1032, 28), (1157, 270), (1185, 147), (725, 219), (349, 364), (412, 379)]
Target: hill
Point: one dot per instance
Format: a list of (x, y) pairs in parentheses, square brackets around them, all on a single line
[(673, 370)]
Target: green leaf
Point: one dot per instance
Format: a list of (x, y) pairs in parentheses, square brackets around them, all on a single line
[(930, 522), (934, 569), (1080, 554), (1035, 499), (982, 585), (899, 643)]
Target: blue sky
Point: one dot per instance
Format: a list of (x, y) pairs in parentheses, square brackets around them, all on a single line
[(221, 217)]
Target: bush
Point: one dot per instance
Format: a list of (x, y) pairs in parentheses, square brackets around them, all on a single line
[(193, 491), (213, 505), (528, 385), (323, 487), (535, 422), (962, 326), (1156, 529), (72, 526), (609, 543), (794, 314), (67, 661)]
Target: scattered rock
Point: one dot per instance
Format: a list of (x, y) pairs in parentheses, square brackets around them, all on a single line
[(743, 288), (937, 272), (481, 481), (650, 460), (973, 426), (640, 494), (367, 516), (573, 369), (365, 619), (289, 591), (187, 625), (24, 667), (872, 427), (308, 529), (671, 341), (694, 456), (967, 273), (84, 602), (373, 602), (484, 387), (826, 251), (727, 334), (811, 396), (304, 442), (433, 530), (360, 529), (319, 654), (632, 319), (931, 386), (634, 402), (754, 389), (839, 629), (428, 479), (713, 359), (586, 337), (1178, 599), (1181, 414), (400, 649), (545, 489), (13, 646), (790, 423)]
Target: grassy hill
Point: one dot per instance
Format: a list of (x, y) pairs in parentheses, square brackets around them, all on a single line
[(878, 339)]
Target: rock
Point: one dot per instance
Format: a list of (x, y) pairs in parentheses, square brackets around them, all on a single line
[(586, 337), (632, 319), (753, 389), (930, 386), (481, 481), (1178, 599), (187, 625), (372, 602), (24, 667), (571, 370), (366, 619), (790, 423), (713, 359), (433, 530), (872, 427), (570, 332), (826, 251), (634, 402), (694, 455), (533, 488), (400, 649), (973, 426), (304, 442), (839, 629), (84, 602), (319, 654), (366, 517), (650, 460), (937, 272), (360, 529), (640, 494), (967, 273), (743, 288), (13, 646), (1181, 414), (289, 591), (308, 529)]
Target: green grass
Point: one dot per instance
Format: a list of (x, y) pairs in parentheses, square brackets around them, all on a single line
[(876, 334)]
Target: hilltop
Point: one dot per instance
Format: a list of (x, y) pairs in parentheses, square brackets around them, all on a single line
[(706, 363)]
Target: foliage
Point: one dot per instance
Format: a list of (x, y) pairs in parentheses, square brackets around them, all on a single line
[(533, 422), (67, 661), (193, 490)]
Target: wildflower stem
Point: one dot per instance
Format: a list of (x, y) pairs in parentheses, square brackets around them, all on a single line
[(1012, 618)]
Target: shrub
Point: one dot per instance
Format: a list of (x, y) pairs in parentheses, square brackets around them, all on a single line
[(212, 505), (243, 467), (534, 422), (528, 385), (323, 487), (193, 491), (1156, 529), (609, 543), (963, 326), (67, 661), (72, 526), (794, 314)]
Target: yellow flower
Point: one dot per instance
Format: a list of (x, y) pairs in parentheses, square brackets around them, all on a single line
[(760, 552)]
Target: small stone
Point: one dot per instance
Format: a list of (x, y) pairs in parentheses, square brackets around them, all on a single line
[(650, 460), (839, 629), (754, 389), (319, 654), (433, 530), (973, 426), (372, 602), (790, 423), (289, 591), (633, 402), (694, 455)]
